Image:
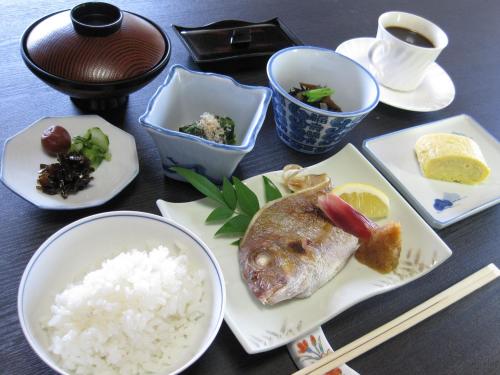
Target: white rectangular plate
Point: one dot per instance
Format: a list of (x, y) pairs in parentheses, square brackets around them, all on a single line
[(440, 203), (260, 328)]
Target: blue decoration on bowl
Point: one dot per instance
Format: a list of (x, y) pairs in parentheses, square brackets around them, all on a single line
[(181, 99), (306, 128), (169, 162)]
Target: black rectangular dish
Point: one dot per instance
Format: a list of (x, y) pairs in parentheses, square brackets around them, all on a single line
[(233, 44)]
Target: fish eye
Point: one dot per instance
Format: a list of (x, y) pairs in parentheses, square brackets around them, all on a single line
[(263, 259)]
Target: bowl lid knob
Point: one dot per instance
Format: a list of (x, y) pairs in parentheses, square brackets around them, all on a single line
[(96, 19)]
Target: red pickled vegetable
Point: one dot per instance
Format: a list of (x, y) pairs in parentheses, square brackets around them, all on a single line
[(380, 247), (344, 216), (56, 140)]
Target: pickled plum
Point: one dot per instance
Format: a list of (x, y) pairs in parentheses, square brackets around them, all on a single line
[(56, 140)]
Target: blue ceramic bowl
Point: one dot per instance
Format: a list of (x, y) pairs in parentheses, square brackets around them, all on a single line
[(306, 128), (181, 99)]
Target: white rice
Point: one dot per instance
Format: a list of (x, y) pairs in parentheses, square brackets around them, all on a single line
[(132, 316)]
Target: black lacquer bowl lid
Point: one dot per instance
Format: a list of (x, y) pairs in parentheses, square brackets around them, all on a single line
[(95, 50)]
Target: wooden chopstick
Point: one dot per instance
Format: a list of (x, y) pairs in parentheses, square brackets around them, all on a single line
[(403, 322)]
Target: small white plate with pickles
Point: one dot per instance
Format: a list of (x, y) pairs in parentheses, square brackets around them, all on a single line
[(23, 154), (440, 203)]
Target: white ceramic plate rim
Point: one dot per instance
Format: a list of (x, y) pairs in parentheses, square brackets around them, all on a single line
[(43, 247), (58, 205)]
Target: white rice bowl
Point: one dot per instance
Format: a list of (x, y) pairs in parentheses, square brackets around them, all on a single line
[(131, 316), (104, 296)]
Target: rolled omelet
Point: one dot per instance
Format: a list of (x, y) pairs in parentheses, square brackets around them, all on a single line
[(451, 157)]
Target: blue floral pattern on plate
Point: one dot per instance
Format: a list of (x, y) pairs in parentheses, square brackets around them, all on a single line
[(446, 202)]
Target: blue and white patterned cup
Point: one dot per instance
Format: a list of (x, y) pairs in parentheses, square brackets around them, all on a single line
[(306, 128)]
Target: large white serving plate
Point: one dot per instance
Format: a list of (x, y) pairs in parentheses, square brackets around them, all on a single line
[(23, 154), (440, 203), (260, 328)]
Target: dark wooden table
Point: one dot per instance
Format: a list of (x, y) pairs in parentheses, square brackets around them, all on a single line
[(464, 339)]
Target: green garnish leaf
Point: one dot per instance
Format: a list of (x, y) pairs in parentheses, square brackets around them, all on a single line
[(316, 95), (271, 190), (234, 199), (218, 214), (236, 226), (201, 183), (228, 193), (247, 200), (237, 242)]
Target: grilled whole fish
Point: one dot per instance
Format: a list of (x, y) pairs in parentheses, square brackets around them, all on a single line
[(291, 249)]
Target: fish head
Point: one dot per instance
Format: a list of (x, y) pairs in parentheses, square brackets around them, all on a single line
[(270, 270)]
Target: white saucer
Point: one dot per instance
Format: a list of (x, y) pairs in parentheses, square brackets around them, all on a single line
[(436, 92)]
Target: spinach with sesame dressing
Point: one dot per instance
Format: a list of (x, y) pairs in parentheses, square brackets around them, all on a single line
[(211, 127)]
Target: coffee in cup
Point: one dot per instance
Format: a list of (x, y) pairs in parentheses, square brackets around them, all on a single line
[(406, 45)]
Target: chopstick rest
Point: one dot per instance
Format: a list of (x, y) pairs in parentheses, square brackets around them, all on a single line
[(311, 347), (403, 322)]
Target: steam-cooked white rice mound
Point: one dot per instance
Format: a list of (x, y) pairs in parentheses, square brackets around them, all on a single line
[(134, 315)]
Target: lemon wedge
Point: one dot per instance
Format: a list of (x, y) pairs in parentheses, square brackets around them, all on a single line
[(367, 199)]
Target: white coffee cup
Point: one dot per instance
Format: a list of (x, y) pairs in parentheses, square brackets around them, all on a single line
[(400, 65)]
